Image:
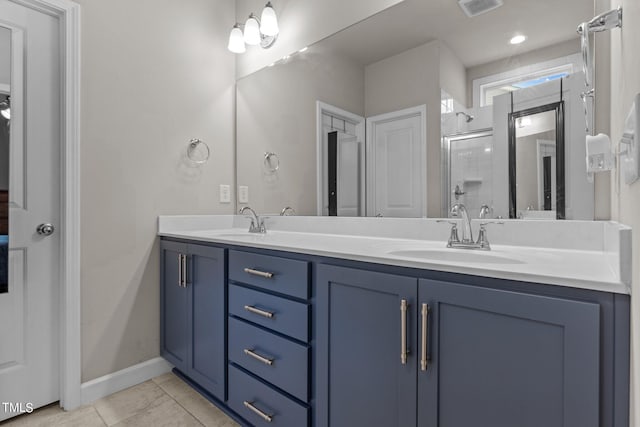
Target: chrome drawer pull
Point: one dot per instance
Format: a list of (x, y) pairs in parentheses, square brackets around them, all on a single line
[(259, 358), (180, 274), (258, 273), (263, 313), (184, 271), (424, 360), (258, 412), (403, 331)]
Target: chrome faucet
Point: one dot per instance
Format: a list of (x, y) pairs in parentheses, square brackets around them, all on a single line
[(459, 210), (467, 242), (257, 224)]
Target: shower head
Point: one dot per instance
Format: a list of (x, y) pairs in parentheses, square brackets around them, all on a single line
[(468, 116)]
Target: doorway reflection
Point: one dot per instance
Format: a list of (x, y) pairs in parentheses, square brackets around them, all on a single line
[(5, 116), (4, 191)]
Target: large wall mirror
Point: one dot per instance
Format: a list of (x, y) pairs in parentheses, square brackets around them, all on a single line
[(536, 162), (408, 111)]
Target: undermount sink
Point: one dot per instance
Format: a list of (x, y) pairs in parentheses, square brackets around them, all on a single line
[(456, 255)]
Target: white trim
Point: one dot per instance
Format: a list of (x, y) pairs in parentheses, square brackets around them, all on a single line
[(420, 110), (573, 60), (5, 89), (359, 121), (68, 13), (133, 375)]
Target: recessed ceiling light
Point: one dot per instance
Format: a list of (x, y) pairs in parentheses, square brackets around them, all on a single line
[(517, 39)]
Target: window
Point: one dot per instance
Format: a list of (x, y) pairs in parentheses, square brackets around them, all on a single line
[(486, 88)]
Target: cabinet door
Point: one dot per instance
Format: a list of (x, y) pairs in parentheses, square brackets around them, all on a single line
[(205, 281), (174, 310), (360, 377), (504, 359)]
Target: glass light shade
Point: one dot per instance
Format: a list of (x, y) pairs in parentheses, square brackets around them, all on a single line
[(6, 113), (269, 21), (252, 31), (236, 41)]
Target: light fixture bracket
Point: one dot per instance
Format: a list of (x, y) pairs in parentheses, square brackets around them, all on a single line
[(267, 41)]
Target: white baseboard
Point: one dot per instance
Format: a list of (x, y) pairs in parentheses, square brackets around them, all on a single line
[(133, 375)]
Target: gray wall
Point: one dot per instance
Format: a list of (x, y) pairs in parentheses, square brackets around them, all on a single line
[(625, 67), (276, 112), (154, 74)]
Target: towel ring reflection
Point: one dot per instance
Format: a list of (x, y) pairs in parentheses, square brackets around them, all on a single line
[(271, 162), (198, 151)]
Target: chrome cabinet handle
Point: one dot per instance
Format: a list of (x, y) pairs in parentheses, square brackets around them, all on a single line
[(403, 331), (424, 359), (265, 360), (258, 273), (263, 313), (180, 271), (184, 271), (249, 405)]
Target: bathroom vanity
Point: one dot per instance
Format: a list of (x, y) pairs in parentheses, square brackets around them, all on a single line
[(293, 328)]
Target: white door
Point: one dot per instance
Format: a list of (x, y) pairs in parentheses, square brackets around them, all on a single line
[(349, 161), (396, 164), (29, 361), (348, 176)]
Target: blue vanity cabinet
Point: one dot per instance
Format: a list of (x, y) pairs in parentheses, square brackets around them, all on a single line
[(363, 337), (502, 359), (193, 326), (269, 351), (174, 300)]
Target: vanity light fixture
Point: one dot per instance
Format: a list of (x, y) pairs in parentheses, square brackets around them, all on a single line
[(236, 40), (518, 39), (263, 31)]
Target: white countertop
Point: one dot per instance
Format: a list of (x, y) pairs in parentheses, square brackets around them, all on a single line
[(603, 266)]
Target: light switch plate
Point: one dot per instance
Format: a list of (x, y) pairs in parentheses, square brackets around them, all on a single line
[(243, 194), (225, 193)]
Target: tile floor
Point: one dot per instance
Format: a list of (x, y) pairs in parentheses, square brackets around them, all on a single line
[(162, 401)]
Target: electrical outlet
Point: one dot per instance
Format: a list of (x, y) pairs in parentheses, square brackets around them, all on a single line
[(243, 194), (225, 193)]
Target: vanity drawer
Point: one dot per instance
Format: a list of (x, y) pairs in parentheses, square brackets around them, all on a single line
[(286, 316), (286, 276), (277, 360), (245, 390)]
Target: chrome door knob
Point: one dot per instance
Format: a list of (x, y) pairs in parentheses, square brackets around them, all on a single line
[(45, 229)]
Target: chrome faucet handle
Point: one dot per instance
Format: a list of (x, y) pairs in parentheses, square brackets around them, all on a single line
[(483, 241), (484, 211), (453, 236), (287, 211)]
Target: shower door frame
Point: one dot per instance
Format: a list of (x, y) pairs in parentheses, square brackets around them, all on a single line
[(445, 166)]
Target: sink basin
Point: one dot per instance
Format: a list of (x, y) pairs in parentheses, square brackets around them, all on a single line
[(456, 255)]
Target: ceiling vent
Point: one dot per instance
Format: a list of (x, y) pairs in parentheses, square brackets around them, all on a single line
[(478, 7)]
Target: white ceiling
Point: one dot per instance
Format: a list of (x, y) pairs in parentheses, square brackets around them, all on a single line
[(479, 40)]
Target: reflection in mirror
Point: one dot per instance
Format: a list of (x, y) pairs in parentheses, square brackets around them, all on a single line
[(536, 147), (467, 165), (5, 115), (317, 109)]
